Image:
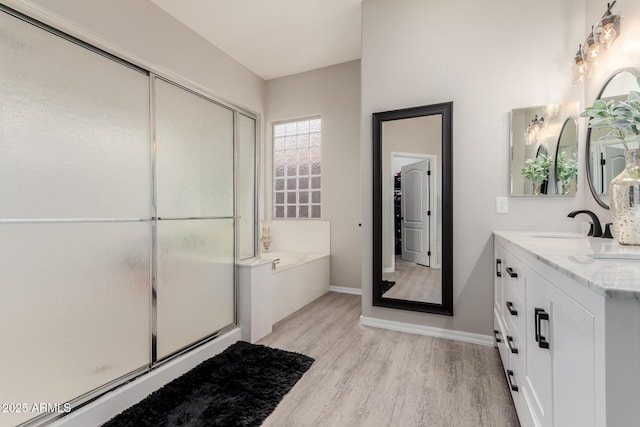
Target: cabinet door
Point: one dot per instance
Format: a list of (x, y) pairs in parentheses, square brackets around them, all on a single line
[(573, 350), (537, 389)]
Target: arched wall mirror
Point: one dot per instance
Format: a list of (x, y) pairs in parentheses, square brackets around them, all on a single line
[(605, 155), (412, 209)]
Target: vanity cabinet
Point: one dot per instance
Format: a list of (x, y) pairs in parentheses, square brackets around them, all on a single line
[(573, 345)]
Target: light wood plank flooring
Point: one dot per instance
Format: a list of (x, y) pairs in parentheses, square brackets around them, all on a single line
[(372, 377), (415, 282)]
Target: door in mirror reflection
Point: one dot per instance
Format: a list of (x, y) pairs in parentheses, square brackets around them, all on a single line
[(411, 274), (412, 170)]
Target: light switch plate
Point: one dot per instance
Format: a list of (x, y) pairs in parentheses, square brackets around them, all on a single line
[(502, 205)]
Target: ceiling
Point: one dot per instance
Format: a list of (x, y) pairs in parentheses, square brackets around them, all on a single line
[(275, 38)]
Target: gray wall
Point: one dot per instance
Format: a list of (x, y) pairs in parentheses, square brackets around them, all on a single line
[(512, 57), (333, 92)]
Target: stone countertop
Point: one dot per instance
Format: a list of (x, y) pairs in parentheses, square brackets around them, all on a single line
[(602, 265)]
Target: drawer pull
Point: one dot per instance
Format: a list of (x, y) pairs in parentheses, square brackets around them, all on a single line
[(496, 334), (513, 386), (540, 315), (511, 347), (499, 267), (512, 273), (512, 310)]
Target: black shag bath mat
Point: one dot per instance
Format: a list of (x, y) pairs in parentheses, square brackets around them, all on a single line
[(239, 387)]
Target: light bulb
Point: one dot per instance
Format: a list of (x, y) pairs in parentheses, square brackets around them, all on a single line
[(594, 50), (590, 50), (579, 67), (608, 35)]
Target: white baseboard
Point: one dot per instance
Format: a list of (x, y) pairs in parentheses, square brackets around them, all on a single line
[(411, 328), (345, 290), (116, 401), (388, 270)]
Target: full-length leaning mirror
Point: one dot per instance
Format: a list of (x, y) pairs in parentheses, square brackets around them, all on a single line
[(412, 209), (605, 154)]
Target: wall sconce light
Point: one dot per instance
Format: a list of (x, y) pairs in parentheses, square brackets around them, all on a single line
[(608, 28), (601, 37), (534, 130)]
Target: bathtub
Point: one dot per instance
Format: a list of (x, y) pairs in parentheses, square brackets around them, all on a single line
[(298, 279)]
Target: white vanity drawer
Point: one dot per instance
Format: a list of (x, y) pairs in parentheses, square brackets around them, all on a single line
[(501, 342)]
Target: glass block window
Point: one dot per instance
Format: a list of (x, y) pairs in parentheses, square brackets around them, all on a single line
[(296, 168)]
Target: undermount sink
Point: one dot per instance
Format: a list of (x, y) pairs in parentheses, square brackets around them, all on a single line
[(558, 235)]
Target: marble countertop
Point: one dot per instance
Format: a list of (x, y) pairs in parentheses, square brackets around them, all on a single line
[(600, 264)]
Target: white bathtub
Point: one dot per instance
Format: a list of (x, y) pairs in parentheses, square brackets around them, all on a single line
[(298, 279)]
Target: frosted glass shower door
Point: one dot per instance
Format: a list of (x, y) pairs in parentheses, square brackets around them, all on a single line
[(195, 229), (75, 223)]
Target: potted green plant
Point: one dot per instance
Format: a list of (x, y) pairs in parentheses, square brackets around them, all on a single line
[(566, 169), (622, 118), (536, 170)]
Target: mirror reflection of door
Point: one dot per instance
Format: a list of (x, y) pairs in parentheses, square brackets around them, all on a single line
[(612, 165), (607, 161), (415, 213)]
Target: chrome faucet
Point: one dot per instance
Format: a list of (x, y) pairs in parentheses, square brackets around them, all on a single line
[(274, 263), (596, 227)]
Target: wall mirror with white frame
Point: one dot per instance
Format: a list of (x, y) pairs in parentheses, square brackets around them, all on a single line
[(605, 152), (543, 152), (412, 218)]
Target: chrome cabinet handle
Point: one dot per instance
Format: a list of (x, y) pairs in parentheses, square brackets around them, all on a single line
[(512, 273), (496, 334), (499, 267)]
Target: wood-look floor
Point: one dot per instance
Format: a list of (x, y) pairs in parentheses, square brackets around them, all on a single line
[(373, 377), (415, 282)]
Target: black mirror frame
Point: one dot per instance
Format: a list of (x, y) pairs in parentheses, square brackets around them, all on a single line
[(635, 72), (444, 109)]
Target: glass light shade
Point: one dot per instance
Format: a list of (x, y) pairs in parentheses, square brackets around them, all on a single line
[(607, 30), (590, 49), (579, 68), (534, 130)]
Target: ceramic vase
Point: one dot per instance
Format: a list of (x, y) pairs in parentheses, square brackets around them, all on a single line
[(625, 200)]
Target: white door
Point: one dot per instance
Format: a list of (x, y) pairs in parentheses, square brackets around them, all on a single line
[(615, 164), (415, 213), (572, 333)]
